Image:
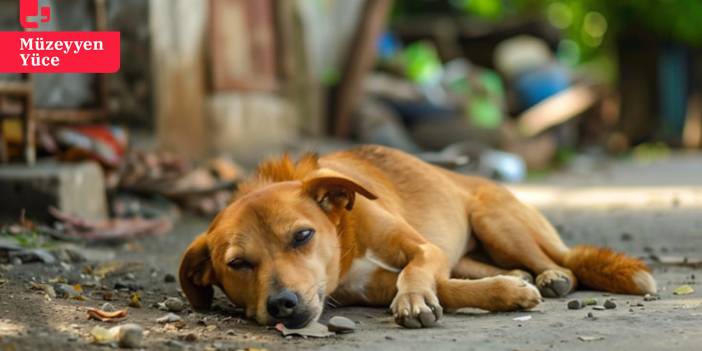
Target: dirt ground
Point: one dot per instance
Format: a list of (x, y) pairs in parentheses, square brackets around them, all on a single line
[(667, 228)]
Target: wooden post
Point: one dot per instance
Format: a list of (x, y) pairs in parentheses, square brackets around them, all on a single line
[(178, 42), (360, 61)]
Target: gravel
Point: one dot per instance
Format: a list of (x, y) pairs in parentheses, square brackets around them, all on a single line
[(610, 305), (575, 305)]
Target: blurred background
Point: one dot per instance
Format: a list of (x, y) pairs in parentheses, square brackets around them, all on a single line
[(508, 89), (591, 110)]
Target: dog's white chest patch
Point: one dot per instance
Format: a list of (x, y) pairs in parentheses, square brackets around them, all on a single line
[(361, 272)]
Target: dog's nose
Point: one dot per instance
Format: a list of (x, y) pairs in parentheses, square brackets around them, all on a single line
[(282, 304)]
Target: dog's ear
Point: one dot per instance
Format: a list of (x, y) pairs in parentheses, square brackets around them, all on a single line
[(196, 274), (333, 191)]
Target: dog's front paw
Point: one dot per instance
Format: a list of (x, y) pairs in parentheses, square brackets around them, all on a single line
[(416, 309), (513, 293)]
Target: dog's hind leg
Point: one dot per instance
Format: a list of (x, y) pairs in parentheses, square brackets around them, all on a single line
[(468, 267), (515, 236)]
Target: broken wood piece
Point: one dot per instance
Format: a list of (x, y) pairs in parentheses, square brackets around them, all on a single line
[(555, 110)]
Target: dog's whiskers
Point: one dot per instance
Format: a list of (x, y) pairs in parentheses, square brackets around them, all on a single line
[(332, 302)]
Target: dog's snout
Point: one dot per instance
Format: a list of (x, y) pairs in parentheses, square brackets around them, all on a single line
[(282, 304)]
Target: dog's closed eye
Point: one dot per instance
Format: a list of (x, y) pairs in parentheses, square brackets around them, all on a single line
[(302, 237), (240, 264)]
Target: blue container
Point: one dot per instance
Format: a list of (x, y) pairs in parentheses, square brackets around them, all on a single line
[(539, 84)]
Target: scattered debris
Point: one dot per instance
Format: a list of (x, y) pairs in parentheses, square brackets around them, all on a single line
[(610, 304), (111, 229), (114, 268), (46, 288), (128, 335), (34, 255), (169, 318), (107, 316), (135, 300), (314, 329), (598, 308), (120, 285), (683, 290), (341, 325), (522, 318), (69, 291), (590, 338), (575, 305), (649, 297), (206, 189)]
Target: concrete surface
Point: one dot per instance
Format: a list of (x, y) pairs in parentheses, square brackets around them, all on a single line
[(75, 188), (29, 322)]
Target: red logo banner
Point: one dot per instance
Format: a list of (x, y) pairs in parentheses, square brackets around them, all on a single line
[(56, 52)]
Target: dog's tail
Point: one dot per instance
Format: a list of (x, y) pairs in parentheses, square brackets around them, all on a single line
[(606, 270)]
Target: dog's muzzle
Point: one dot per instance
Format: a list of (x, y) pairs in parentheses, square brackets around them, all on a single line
[(287, 307)]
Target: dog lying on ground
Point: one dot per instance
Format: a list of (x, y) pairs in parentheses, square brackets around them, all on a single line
[(375, 226)]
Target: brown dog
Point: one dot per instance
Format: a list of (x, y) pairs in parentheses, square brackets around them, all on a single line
[(375, 226)]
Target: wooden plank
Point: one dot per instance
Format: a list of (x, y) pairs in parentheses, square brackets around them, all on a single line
[(360, 61), (555, 110), (15, 87)]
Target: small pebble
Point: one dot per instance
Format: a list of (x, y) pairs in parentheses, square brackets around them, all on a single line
[(66, 291), (174, 344), (574, 305), (169, 278), (16, 261), (590, 315), (169, 318), (598, 308), (231, 332), (339, 324), (108, 307), (190, 337), (590, 302), (130, 335), (120, 285), (174, 304), (610, 305)]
